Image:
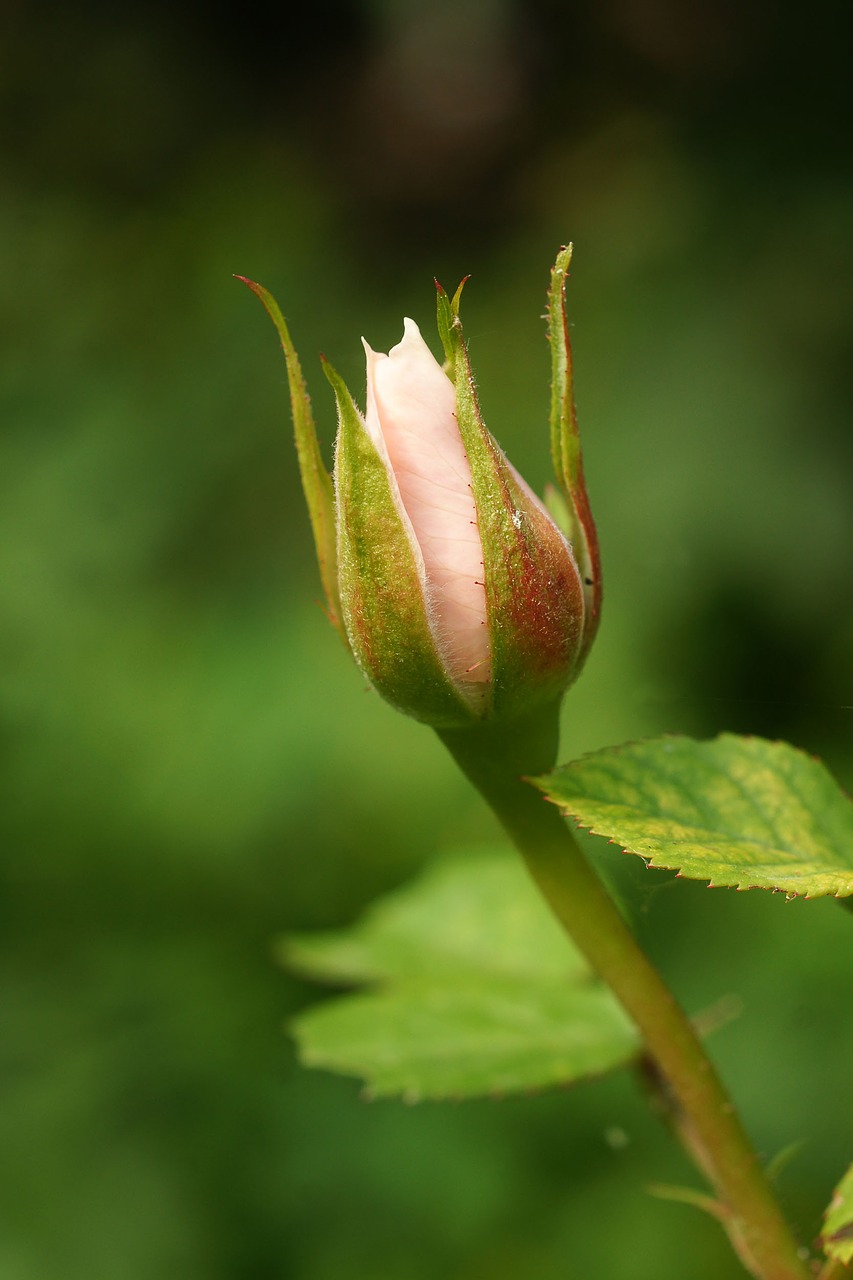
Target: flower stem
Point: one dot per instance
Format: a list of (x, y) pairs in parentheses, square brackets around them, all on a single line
[(494, 758)]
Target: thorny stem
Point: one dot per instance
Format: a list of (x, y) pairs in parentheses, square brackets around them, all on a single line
[(494, 760)]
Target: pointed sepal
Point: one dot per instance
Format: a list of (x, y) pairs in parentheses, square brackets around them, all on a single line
[(316, 480), (566, 448), (534, 593), (381, 580)]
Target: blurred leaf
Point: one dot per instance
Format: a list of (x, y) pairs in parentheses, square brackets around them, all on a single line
[(735, 811), (837, 1234), (463, 1039), (476, 912), (480, 992)]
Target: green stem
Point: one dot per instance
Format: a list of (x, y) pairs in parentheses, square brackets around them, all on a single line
[(494, 758)]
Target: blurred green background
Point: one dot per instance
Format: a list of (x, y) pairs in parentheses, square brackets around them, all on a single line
[(191, 765)]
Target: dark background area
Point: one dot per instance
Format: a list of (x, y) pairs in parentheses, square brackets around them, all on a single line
[(191, 765)]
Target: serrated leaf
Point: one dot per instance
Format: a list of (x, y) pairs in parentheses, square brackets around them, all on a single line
[(467, 1038), (474, 912), (479, 991), (735, 811), (837, 1234)]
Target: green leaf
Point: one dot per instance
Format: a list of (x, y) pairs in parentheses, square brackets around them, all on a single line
[(837, 1234), (475, 912), (467, 1038), (735, 811), (477, 991)]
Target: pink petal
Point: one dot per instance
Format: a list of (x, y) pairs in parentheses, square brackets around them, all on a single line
[(411, 407)]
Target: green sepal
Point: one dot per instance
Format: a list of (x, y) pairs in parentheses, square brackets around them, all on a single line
[(837, 1234), (566, 448), (447, 315), (316, 481), (534, 595), (381, 582)]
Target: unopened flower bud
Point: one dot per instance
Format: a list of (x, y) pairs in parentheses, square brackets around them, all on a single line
[(462, 598)]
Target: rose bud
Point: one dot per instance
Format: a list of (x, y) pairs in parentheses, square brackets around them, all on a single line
[(463, 599)]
